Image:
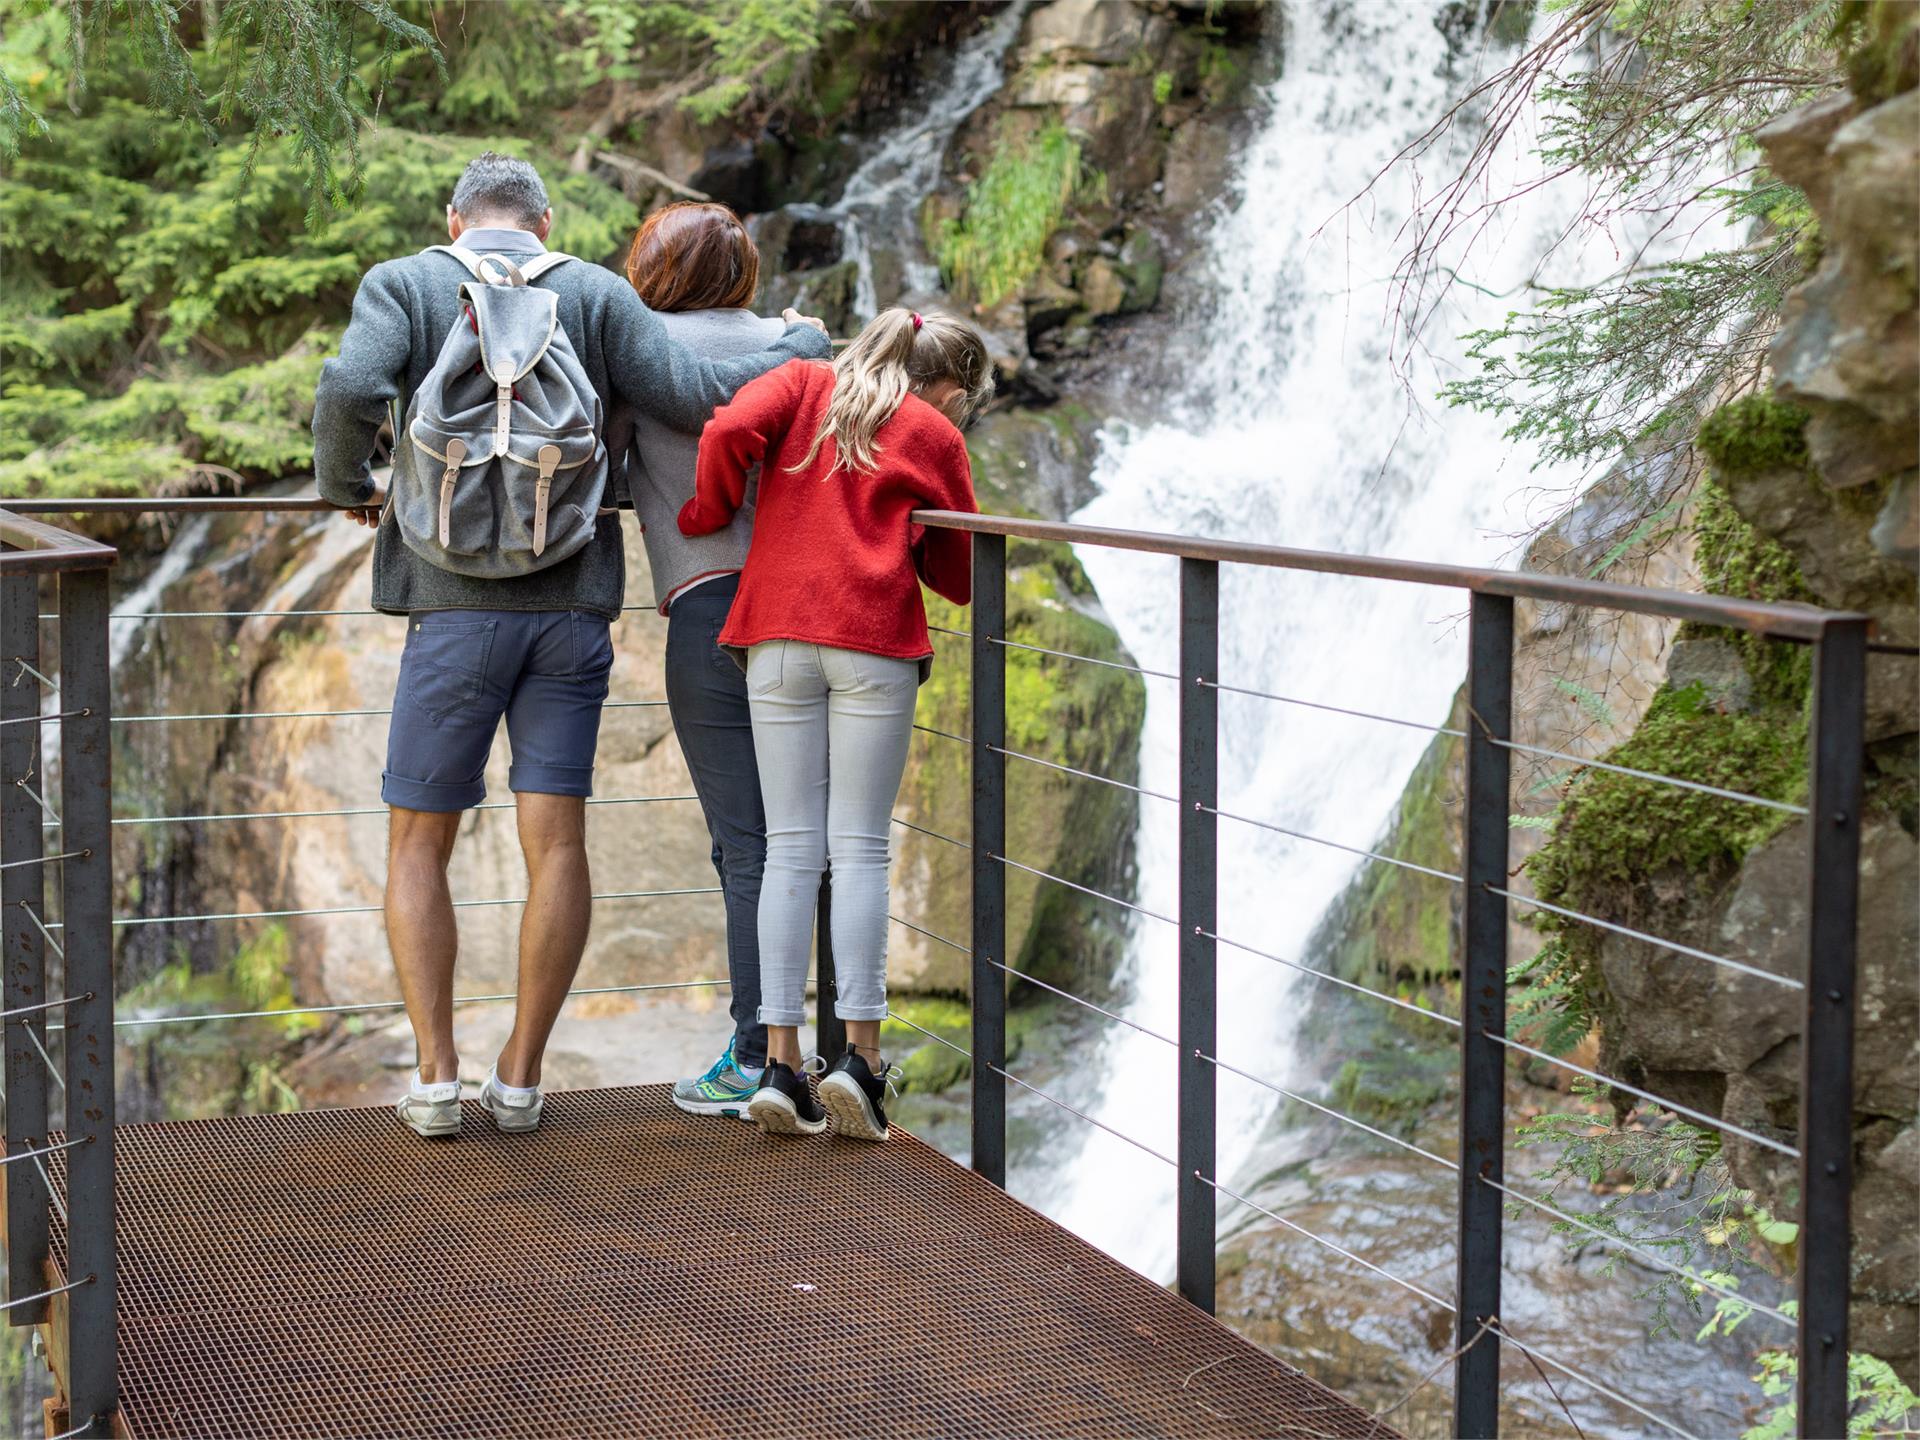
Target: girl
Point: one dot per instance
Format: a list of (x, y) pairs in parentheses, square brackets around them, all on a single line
[(698, 268), (830, 620)]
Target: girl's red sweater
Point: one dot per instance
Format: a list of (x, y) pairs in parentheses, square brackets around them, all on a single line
[(834, 555)]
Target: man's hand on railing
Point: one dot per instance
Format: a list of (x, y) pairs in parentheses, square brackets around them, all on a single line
[(368, 514)]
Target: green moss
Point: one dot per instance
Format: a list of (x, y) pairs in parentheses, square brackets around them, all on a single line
[(1756, 432), (1881, 44), (928, 1066), (1392, 1091), (1615, 830)]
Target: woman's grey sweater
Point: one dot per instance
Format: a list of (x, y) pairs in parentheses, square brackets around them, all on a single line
[(660, 471)]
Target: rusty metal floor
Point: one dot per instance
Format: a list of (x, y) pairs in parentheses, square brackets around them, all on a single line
[(629, 1270)]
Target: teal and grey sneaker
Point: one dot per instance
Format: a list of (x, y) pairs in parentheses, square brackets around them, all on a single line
[(512, 1109), (725, 1089), (431, 1110)]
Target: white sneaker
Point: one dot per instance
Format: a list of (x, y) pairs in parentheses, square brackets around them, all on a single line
[(512, 1109), (431, 1110)]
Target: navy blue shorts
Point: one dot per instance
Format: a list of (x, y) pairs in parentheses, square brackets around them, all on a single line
[(545, 671)]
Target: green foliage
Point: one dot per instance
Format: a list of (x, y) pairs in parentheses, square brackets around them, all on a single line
[(1012, 210), (1594, 371), (1703, 1225), (1660, 119), (168, 304), (1878, 1401), (1163, 87), (290, 71), (1555, 997)]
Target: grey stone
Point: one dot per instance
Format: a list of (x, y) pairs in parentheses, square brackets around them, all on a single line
[(1716, 667), (1103, 287), (1848, 345)]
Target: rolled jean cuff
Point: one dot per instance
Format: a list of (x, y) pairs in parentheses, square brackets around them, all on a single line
[(550, 779), (770, 1016), (861, 1012), (426, 795)]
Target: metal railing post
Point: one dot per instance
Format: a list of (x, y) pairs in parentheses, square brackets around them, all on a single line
[(86, 810), (1483, 1014), (1837, 745), (989, 845), (23, 890), (830, 1031), (1199, 897)]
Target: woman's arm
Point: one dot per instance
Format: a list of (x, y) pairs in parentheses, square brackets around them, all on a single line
[(662, 378), (739, 436), (943, 557)]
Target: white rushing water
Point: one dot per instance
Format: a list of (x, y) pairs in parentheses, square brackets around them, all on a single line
[(1293, 428), (879, 207)]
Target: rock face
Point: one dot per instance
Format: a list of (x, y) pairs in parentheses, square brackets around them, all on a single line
[(1848, 348)]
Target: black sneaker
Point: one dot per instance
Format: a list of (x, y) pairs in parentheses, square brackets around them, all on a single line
[(784, 1103), (856, 1097)]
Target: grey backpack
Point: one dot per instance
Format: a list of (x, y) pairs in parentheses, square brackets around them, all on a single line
[(501, 468)]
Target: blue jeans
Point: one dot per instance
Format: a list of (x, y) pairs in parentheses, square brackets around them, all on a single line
[(832, 728), (545, 671), (707, 697)]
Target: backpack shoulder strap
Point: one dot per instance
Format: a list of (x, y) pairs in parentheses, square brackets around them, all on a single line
[(465, 256), (541, 264)]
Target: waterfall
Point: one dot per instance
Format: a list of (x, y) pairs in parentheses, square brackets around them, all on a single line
[(1293, 427), (878, 209)]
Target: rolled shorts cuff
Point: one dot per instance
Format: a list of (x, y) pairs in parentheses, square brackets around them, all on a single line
[(426, 795), (771, 1016), (550, 779), (861, 1012)]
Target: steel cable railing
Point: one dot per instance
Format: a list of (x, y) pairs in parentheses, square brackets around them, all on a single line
[(1337, 845), (1086, 659), (328, 714), (376, 909), (1084, 889), (922, 930), (1741, 967), (142, 615), (1836, 638), (1332, 709), (1713, 1122), (1673, 781), (1334, 1246), (1083, 774), (1597, 1386), (19, 1011), (1620, 1242), (134, 1022), (53, 1070), (357, 810), (16, 1156)]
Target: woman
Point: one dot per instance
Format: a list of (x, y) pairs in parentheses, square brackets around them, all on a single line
[(830, 618), (696, 265)]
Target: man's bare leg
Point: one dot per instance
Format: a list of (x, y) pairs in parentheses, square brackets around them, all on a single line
[(553, 928), (421, 932)]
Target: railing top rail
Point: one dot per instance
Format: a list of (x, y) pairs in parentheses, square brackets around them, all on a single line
[(1784, 622), (34, 546)]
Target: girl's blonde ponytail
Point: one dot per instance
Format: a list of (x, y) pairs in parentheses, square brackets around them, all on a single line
[(897, 352)]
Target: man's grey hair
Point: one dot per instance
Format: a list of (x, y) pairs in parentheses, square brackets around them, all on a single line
[(499, 187)]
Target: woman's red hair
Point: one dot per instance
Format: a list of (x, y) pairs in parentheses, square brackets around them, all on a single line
[(694, 255)]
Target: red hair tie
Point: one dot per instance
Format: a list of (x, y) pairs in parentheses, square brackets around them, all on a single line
[(916, 320)]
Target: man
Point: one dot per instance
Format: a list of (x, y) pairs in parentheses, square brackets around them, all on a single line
[(534, 648)]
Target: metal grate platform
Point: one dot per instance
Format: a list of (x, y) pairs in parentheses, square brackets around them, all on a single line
[(629, 1270)]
